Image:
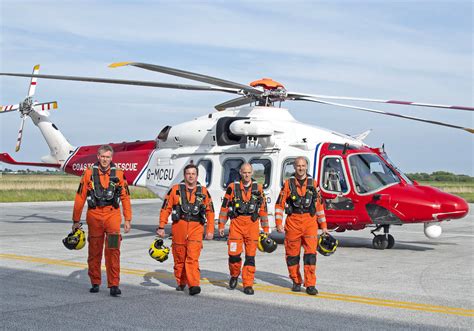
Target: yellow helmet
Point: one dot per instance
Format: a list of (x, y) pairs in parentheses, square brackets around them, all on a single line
[(266, 244), (327, 244), (76, 239), (158, 251)]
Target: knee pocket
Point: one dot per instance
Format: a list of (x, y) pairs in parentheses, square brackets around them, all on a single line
[(113, 240), (292, 260), (309, 259), (234, 258), (249, 261)]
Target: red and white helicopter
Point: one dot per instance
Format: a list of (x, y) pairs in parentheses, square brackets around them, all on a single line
[(360, 185)]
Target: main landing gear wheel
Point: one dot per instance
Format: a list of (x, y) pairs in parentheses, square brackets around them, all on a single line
[(382, 241)]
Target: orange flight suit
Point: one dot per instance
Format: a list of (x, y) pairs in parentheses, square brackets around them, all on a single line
[(187, 235), (103, 222), (243, 231), (300, 229)]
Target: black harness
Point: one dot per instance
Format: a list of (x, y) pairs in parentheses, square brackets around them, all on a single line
[(297, 204), (247, 208), (191, 212), (99, 196)]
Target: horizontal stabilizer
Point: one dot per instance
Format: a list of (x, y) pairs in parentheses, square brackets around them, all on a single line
[(6, 158)]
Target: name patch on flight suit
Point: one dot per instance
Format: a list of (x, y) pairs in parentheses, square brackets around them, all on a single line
[(233, 247)]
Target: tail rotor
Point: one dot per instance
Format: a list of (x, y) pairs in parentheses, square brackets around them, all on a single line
[(28, 105)]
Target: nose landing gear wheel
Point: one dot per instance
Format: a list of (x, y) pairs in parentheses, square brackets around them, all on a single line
[(380, 242)]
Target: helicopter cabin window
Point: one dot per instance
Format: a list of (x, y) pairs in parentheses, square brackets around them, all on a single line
[(262, 169), (205, 172), (333, 177), (288, 169), (231, 169), (370, 173)]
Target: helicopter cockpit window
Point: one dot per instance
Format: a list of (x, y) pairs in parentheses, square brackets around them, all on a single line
[(370, 173), (205, 171), (333, 176), (231, 171), (389, 161), (262, 169)]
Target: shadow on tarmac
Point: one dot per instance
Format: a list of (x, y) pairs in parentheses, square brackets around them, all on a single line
[(19, 219), (150, 279), (44, 301), (356, 242)]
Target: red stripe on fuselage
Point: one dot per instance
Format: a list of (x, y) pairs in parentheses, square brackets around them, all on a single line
[(131, 157)]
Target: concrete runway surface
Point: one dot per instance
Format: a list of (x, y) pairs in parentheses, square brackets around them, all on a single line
[(420, 284)]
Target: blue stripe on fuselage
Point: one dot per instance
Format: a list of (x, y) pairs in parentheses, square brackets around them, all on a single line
[(315, 162)]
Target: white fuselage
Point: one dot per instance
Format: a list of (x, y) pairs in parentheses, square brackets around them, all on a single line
[(196, 141)]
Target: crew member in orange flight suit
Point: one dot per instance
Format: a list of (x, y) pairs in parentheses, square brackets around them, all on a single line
[(301, 200), (244, 203), (190, 205), (103, 186)]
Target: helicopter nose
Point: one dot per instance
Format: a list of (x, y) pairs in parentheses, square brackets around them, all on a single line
[(451, 207)]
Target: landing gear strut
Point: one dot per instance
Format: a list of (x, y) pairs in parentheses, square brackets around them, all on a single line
[(382, 241)]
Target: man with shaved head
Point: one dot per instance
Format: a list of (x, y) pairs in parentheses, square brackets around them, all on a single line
[(301, 200), (244, 203)]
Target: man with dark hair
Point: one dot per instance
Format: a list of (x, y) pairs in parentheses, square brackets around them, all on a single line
[(190, 206), (103, 186), (301, 200)]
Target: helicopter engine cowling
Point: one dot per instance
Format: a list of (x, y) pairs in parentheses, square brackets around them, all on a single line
[(251, 128), (433, 230)]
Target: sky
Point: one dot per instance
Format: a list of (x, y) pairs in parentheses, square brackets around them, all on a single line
[(405, 50)]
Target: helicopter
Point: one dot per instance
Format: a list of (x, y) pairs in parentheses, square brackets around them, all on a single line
[(360, 186)]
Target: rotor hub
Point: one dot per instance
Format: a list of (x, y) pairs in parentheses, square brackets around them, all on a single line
[(26, 106), (272, 90)]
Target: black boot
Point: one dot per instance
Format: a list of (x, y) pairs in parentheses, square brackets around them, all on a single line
[(94, 288), (193, 290), (180, 288), (296, 287), (115, 291), (233, 282), (249, 290), (311, 290)]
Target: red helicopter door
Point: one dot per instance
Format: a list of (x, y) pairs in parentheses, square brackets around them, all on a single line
[(341, 206)]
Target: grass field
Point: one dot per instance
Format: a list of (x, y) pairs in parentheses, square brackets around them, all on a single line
[(39, 187), (27, 188), (463, 189)]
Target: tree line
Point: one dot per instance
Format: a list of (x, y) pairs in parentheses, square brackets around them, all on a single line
[(440, 176)]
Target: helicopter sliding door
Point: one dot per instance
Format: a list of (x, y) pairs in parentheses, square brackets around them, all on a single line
[(335, 186)]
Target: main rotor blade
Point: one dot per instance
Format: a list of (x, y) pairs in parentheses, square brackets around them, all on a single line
[(234, 103), (20, 134), (129, 82), (387, 113), (189, 75), (32, 88), (397, 102)]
